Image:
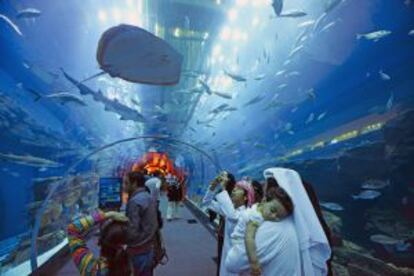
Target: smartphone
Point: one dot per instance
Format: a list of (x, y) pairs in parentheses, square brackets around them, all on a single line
[(110, 193)]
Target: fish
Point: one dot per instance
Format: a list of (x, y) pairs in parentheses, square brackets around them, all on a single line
[(28, 13), (124, 111), (292, 74), (411, 33), (28, 160), (260, 77), (310, 118), (293, 13), (219, 109), (11, 24), (321, 116), (331, 206), (279, 73), (281, 86), (206, 87), (385, 240), (367, 194), (384, 76), (62, 97), (134, 102), (277, 6), (375, 36), (230, 109), (375, 184), (328, 26), (235, 77), (291, 132), (306, 23), (223, 95), (255, 100), (319, 22), (293, 110), (390, 102), (295, 51)]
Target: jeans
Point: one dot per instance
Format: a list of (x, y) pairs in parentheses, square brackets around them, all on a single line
[(143, 263)]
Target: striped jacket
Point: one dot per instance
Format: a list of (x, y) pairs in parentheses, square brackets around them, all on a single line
[(83, 257)]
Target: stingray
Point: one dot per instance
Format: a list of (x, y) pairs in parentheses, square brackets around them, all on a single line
[(135, 55)]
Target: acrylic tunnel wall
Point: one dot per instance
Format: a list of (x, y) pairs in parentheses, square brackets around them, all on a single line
[(324, 87)]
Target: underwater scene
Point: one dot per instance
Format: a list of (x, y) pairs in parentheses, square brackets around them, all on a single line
[(324, 87)]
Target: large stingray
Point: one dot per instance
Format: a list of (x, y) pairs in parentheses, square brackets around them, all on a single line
[(135, 55)]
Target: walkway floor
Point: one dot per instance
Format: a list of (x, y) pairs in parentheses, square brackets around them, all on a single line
[(190, 248)]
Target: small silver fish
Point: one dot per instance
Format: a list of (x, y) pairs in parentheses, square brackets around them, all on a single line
[(235, 77), (293, 13), (375, 36), (310, 118), (321, 116), (223, 95), (28, 13), (384, 76), (374, 184), (332, 206), (367, 194), (306, 23)]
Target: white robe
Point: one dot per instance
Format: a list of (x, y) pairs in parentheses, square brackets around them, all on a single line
[(313, 244), (224, 206), (277, 250)]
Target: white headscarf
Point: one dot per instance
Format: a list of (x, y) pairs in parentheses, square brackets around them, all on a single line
[(314, 246)]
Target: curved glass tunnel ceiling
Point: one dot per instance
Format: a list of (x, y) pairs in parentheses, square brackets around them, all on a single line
[(328, 93)]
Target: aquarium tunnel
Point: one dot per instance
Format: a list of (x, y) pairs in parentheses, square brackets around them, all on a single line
[(317, 95)]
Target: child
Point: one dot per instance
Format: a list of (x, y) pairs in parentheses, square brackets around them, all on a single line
[(275, 208)]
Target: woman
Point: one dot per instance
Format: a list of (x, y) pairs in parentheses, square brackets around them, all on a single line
[(293, 246), (113, 260), (277, 207), (242, 196), (271, 220)]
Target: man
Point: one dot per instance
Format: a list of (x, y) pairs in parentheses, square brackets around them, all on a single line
[(230, 183), (229, 208), (141, 211)]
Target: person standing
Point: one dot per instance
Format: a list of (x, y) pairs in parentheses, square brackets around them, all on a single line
[(242, 197), (141, 211), (174, 198)]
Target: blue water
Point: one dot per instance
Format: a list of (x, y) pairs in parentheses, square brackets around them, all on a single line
[(342, 70)]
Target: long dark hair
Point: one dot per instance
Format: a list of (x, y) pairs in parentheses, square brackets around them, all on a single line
[(230, 183), (113, 236), (258, 191)]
